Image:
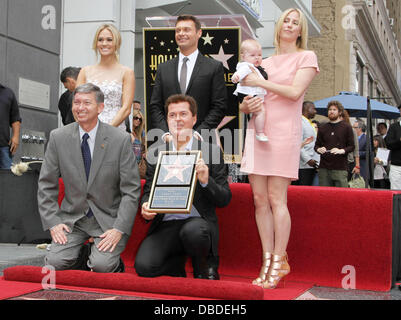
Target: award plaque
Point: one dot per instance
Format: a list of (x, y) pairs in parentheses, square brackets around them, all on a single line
[(174, 182)]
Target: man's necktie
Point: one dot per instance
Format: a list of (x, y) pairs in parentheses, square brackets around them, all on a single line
[(86, 155), (183, 75)]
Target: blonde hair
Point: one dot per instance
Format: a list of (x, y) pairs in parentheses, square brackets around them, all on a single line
[(248, 43), (116, 37), (302, 41), (139, 129)]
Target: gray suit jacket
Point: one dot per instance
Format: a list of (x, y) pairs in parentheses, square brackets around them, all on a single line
[(112, 190)]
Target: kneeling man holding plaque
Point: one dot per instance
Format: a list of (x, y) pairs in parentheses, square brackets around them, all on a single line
[(186, 180)]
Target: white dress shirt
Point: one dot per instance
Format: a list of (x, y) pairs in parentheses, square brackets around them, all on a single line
[(92, 137)]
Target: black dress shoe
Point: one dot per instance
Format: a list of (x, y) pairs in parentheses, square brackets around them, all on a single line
[(120, 268), (212, 274)]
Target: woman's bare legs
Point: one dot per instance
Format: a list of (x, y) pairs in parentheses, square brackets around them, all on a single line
[(274, 226), (263, 212), (277, 194)]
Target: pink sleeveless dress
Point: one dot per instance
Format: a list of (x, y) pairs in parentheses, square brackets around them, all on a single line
[(283, 125)]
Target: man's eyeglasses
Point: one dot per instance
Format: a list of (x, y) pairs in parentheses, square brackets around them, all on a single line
[(137, 118)]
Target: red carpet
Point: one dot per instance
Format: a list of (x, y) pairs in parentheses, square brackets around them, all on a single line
[(10, 289), (229, 288), (129, 282), (333, 231)]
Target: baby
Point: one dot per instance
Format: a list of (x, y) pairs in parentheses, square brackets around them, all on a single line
[(251, 59)]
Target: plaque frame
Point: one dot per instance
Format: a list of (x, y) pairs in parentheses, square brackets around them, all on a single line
[(163, 189)]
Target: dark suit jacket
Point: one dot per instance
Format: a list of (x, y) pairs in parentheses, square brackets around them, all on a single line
[(362, 156), (206, 86), (393, 142), (216, 194), (65, 106)]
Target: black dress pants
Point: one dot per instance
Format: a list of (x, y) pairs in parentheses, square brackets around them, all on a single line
[(305, 177), (165, 250)]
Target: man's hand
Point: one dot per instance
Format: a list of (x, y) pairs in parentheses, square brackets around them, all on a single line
[(312, 163), (58, 234), (109, 241), (202, 171), (337, 151), (251, 105), (146, 214), (168, 138), (14, 143), (322, 150)]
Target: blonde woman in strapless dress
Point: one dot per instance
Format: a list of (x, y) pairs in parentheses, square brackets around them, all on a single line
[(116, 81), (273, 165)]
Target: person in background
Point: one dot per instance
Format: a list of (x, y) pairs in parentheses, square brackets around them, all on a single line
[(379, 173), (382, 129), (68, 77), (138, 139), (354, 166), (393, 143), (309, 161), (115, 80), (335, 140), (360, 129), (136, 105), (9, 117)]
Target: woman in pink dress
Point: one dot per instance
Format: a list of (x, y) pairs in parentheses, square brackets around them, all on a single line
[(273, 165)]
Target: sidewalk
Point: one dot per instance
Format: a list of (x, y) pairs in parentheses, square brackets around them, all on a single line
[(25, 254)]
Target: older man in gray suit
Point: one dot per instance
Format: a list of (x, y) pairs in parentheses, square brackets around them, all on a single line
[(102, 187)]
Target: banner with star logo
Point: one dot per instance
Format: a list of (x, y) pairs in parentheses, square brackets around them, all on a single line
[(220, 43)]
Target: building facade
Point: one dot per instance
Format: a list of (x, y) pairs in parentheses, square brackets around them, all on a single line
[(357, 50), (30, 38), (394, 10)]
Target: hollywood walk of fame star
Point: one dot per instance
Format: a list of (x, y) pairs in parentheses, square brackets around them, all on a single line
[(208, 39), (175, 170), (221, 56)]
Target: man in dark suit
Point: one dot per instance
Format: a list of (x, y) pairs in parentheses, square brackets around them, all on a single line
[(393, 143), (360, 129), (173, 237), (199, 76), (102, 187), (69, 79)]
